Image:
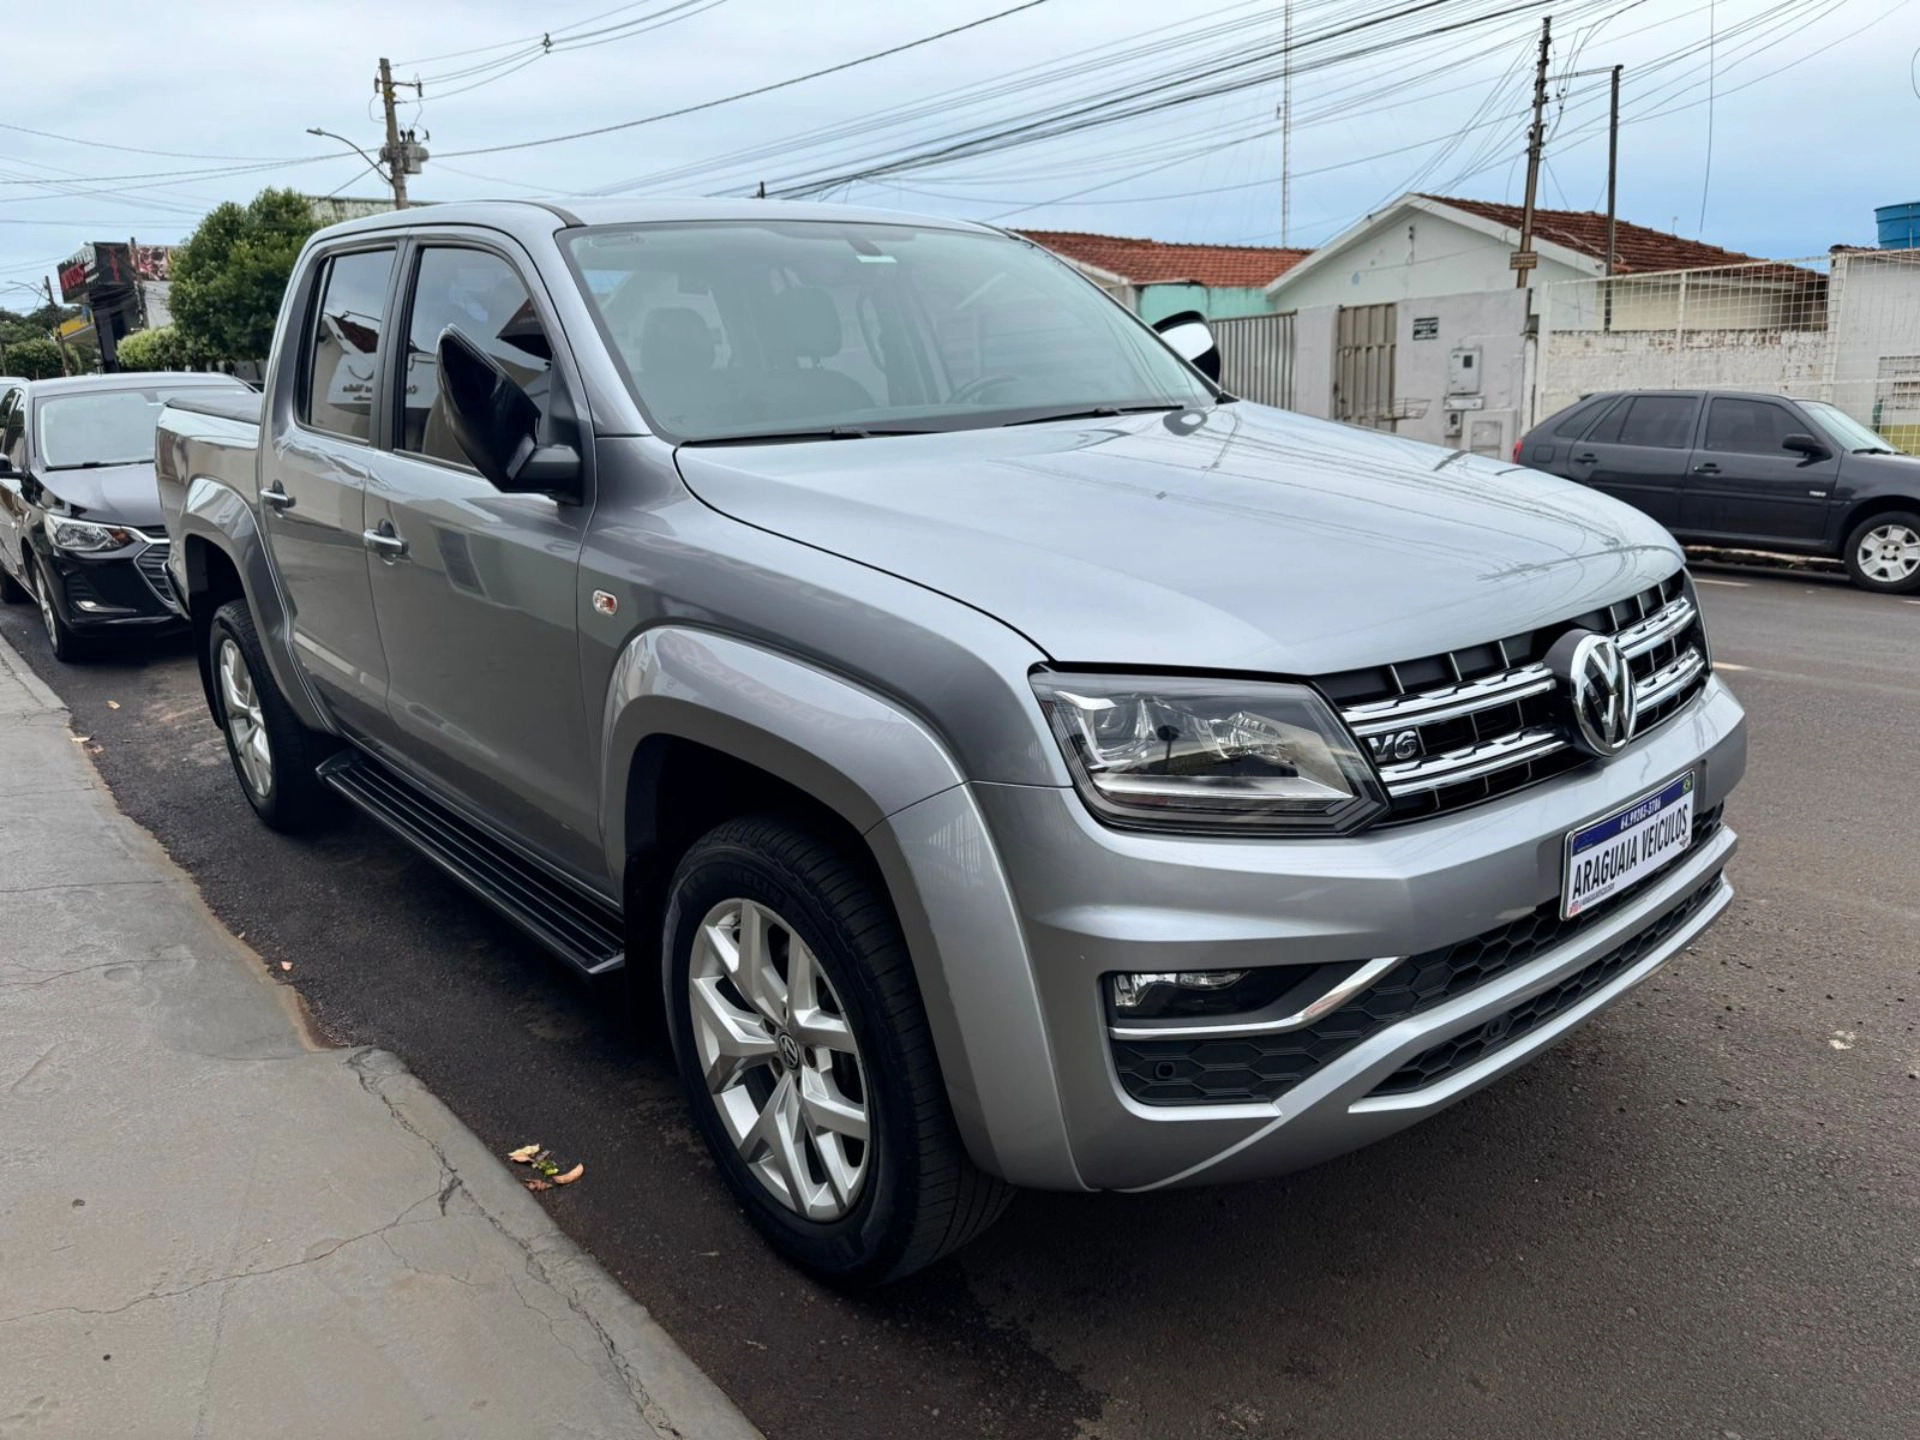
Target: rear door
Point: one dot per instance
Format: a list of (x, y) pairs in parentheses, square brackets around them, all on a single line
[(1745, 486), (1638, 453), (476, 591), (316, 452)]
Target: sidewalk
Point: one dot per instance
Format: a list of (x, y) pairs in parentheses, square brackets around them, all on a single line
[(212, 1226)]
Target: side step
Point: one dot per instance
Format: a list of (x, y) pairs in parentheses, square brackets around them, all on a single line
[(579, 928)]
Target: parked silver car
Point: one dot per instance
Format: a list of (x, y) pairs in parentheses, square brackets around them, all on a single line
[(1009, 760)]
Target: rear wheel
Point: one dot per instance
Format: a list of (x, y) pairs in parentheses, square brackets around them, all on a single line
[(1883, 553), (804, 1052), (273, 754)]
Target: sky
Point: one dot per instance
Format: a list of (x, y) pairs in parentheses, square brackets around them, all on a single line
[(1772, 127)]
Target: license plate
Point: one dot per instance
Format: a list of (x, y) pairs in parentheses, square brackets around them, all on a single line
[(1610, 855)]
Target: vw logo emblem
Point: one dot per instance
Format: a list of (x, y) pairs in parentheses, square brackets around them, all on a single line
[(1599, 681), (789, 1049)]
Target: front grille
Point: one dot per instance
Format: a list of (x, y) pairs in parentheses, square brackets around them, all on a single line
[(1246, 1068), (1453, 730), (1457, 1054)]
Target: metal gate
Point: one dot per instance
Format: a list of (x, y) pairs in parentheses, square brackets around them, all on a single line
[(1363, 366), (1256, 358)]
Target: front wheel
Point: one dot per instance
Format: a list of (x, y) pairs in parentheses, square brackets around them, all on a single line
[(1883, 553), (805, 1055), (67, 647), (273, 754)]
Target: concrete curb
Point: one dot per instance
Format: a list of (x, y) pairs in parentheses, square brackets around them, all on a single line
[(675, 1394), (646, 1374)]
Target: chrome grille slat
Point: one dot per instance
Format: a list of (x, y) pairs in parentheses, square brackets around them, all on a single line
[(1490, 731)]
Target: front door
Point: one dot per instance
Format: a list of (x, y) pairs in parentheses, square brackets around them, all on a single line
[(1746, 486), (1638, 453), (314, 469), (476, 591)]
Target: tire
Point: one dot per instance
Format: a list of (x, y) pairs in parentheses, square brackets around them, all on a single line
[(67, 647), (273, 754), (1883, 553), (886, 1207)]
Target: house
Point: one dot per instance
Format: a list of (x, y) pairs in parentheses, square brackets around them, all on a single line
[(1156, 278)]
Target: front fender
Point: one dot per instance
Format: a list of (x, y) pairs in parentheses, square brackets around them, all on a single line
[(873, 763), (219, 517)]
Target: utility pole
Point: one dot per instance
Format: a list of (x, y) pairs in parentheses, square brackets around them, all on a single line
[(58, 338), (402, 153), (1286, 121), (1613, 188), (1523, 259)]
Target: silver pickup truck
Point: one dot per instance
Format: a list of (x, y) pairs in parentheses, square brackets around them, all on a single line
[(1007, 759)]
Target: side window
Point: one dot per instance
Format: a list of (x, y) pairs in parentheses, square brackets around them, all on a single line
[(9, 422), (480, 293), (343, 344), (1749, 427), (1577, 418), (1659, 422)]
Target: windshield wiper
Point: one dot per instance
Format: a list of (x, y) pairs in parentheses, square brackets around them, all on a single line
[(95, 464), (1098, 412), (1876, 450), (827, 432)]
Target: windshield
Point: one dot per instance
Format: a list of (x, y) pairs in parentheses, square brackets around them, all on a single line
[(787, 329), (1846, 431), (103, 427)]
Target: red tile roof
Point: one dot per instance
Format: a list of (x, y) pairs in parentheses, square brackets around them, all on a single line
[(1158, 262), (1636, 248)]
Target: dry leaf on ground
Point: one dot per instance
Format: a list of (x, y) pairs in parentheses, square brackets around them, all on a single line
[(539, 1185), (524, 1155), (571, 1175)]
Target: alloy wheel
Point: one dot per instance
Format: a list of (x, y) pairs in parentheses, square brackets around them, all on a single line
[(246, 725), (779, 1059), (43, 597), (1890, 553)]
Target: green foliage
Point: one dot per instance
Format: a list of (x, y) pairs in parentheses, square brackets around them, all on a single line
[(35, 359), (159, 349), (229, 276), (34, 324)]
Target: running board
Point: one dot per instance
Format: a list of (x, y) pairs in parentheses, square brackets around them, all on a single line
[(585, 932)]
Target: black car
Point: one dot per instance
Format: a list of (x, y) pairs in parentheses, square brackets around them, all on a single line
[(80, 527), (1746, 470)]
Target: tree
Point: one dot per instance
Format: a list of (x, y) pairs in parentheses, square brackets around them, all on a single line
[(229, 276), (158, 349), (34, 359)]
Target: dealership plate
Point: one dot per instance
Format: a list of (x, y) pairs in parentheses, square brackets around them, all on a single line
[(1620, 851)]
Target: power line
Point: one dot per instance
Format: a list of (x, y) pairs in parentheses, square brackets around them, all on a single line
[(130, 149), (1706, 177), (749, 94)]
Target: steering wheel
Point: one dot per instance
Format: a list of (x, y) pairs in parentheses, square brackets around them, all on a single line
[(980, 384)]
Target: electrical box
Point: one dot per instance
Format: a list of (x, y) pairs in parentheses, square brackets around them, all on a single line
[(1463, 370), (1488, 435), (1453, 425)]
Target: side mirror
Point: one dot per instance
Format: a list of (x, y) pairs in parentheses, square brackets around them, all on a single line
[(497, 425), (1805, 445), (1192, 340)]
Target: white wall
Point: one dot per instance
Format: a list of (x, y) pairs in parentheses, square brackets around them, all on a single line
[(1410, 254), (1580, 362), (1492, 321)]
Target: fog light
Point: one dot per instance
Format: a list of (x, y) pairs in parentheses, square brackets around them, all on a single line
[(1133, 992)]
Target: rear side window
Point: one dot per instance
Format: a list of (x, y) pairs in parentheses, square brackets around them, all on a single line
[(343, 344), (479, 293), (1573, 420), (1750, 427), (1658, 422)]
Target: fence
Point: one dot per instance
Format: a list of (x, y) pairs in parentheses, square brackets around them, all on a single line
[(1256, 357), (1843, 327)]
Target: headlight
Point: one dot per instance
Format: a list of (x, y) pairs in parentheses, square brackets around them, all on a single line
[(1224, 755), (84, 535)]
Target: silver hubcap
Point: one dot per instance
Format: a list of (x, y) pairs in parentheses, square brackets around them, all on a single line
[(47, 617), (1890, 552), (779, 1059), (246, 726)]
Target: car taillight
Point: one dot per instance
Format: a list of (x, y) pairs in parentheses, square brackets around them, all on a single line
[(1518, 445)]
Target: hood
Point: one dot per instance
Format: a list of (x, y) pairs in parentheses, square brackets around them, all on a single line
[(1245, 538), (123, 494)]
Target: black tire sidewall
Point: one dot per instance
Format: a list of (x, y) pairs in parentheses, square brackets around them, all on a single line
[(66, 646), (1852, 553), (863, 1245)]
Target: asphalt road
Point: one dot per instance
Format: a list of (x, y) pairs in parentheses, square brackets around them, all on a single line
[(1700, 1216)]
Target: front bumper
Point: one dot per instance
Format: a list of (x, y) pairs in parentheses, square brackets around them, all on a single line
[(121, 591), (1091, 901)]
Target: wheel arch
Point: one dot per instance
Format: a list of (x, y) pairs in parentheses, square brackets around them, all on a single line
[(1865, 510), (701, 727)]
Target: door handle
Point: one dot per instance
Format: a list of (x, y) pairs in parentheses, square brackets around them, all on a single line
[(1706, 467), (276, 497), (1587, 459), (384, 542)]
